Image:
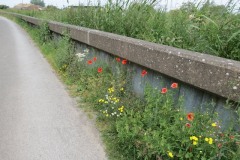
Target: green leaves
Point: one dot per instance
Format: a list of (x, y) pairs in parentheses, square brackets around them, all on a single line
[(159, 128)]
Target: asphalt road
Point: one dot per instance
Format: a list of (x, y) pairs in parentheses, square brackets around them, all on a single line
[(38, 119)]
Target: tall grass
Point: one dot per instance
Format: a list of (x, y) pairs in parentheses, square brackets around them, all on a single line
[(202, 27), (150, 127)]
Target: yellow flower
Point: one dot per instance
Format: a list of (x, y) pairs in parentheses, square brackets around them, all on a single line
[(170, 154), (106, 102), (194, 138), (121, 89), (181, 118), (121, 109), (107, 115), (100, 100), (110, 90), (210, 141), (214, 124), (195, 142), (115, 99)]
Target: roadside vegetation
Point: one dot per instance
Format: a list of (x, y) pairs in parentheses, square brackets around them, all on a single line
[(202, 27), (152, 127)]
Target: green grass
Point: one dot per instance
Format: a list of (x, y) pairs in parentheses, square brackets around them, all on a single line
[(150, 126), (202, 27)]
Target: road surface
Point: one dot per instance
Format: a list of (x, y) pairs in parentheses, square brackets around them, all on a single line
[(38, 119)]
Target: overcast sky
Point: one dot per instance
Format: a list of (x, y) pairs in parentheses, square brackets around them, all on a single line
[(172, 4)]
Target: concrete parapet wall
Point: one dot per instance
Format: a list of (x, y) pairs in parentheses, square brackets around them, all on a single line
[(216, 75), (203, 78)]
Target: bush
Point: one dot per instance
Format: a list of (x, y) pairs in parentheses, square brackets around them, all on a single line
[(3, 7), (160, 129)]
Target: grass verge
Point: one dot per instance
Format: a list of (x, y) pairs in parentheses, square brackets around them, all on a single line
[(153, 127)]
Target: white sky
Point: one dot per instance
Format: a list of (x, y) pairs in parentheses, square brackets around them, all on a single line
[(61, 3)]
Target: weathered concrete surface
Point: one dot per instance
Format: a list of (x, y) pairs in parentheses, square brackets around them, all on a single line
[(210, 73), (38, 119), (77, 33), (213, 74)]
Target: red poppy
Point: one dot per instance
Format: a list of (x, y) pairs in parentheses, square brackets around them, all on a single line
[(174, 85), (144, 72), (89, 62), (164, 90), (99, 69), (190, 116), (94, 59), (124, 61), (188, 125), (118, 59)]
